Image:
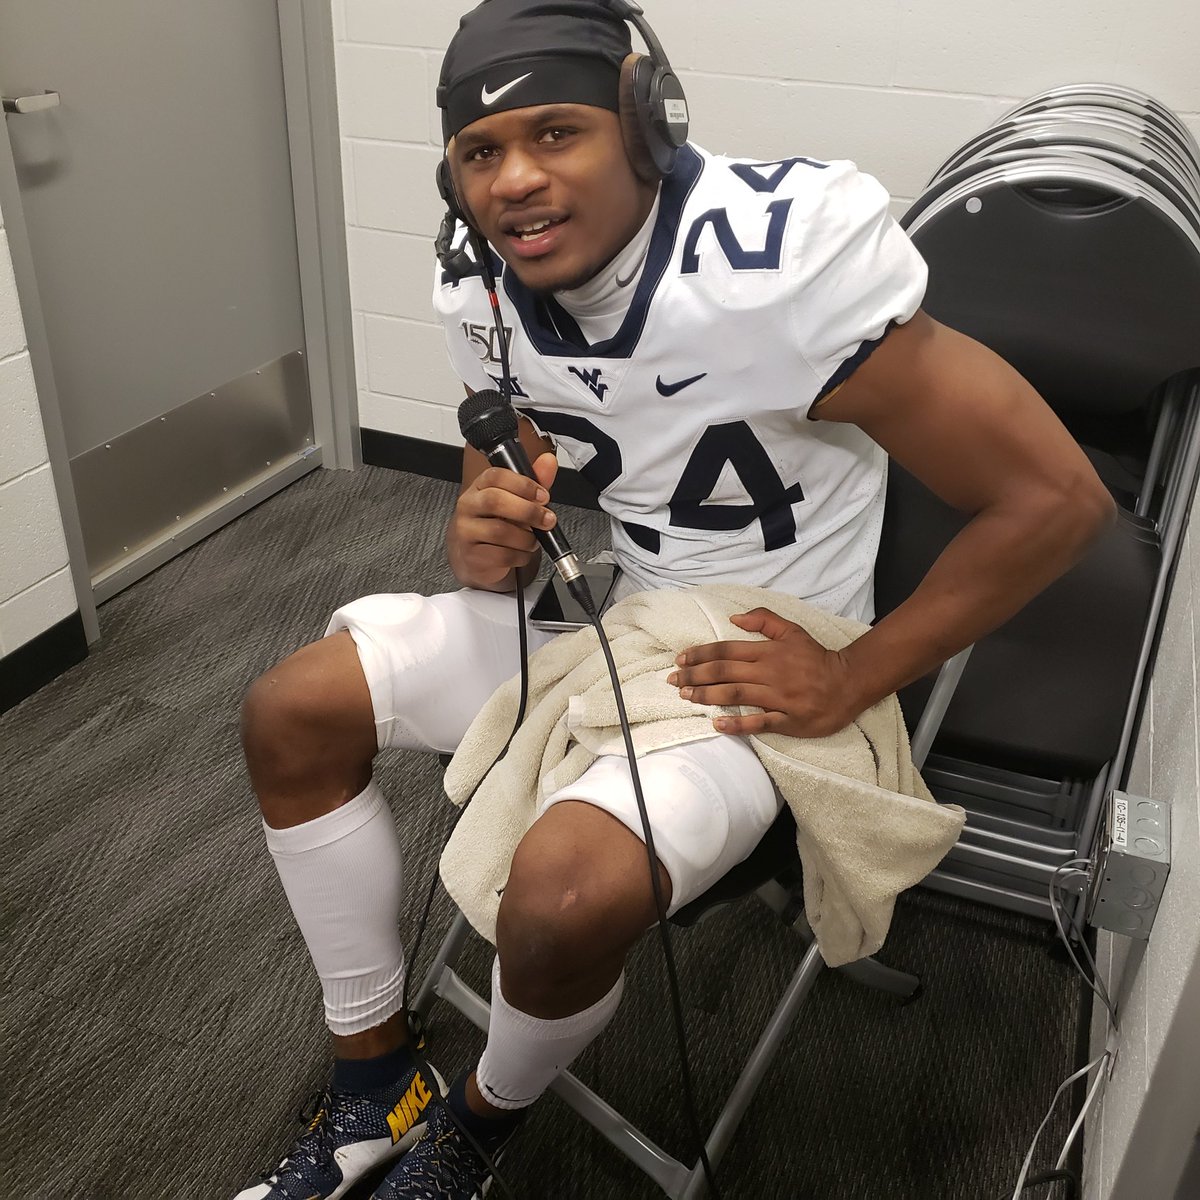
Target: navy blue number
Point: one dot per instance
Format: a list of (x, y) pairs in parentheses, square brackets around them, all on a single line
[(771, 502), (740, 259), (732, 442), (602, 469), (751, 173)]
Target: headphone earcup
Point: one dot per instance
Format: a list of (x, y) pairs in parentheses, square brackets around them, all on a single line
[(637, 71), (445, 187)]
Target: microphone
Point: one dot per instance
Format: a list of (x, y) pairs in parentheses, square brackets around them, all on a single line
[(489, 423)]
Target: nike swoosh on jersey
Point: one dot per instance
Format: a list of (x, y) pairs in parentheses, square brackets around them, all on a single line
[(669, 389), (636, 268), (491, 97)]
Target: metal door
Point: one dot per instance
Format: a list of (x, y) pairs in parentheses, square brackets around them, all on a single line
[(156, 187)]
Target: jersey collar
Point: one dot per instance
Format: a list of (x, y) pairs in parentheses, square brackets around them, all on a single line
[(554, 332)]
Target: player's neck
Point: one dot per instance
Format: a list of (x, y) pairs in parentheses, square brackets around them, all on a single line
[(600, 304)]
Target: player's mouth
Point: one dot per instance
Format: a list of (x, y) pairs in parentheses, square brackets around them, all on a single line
[(533, 238)]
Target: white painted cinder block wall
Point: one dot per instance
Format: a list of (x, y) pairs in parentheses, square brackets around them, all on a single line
[(36, 591), (895, 85)]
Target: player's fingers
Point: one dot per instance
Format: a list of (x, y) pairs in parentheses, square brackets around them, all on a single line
[(501, 504), (511, 481), (720, 670), (488, 556), (486, 531), (764, 621), (731, 694), (764, 722), (711, 651), (545, 467)]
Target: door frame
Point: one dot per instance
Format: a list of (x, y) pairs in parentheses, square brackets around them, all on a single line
[(43, 380), (314, 136), (314, 140)]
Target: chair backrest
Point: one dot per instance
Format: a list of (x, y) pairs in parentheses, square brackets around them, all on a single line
[(1094, 298), (1046, 693)]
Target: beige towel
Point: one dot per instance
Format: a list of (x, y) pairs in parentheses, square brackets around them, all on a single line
[(866, 825)]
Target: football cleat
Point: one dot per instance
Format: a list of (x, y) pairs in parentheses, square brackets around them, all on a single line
[(345, 1136)]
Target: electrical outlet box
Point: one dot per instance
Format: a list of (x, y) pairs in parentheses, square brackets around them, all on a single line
[(1132, 867)]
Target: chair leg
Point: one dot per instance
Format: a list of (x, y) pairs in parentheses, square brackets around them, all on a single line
[(756, 1067), (883, 979), (447, 956), (867, 971)]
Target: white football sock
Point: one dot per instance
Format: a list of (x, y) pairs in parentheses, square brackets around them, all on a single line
[(344, 878), (524, 1054)]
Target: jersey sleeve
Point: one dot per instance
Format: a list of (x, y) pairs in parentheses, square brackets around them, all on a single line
[(467, 335), (856, 273)]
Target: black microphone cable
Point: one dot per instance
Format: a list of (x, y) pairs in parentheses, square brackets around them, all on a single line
[(416, 1028), (664, 929), (579, 588)]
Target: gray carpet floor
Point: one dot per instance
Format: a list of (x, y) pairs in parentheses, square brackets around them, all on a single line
[(161, 1023)]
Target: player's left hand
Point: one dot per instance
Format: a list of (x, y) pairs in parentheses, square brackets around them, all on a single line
[(804, 689)]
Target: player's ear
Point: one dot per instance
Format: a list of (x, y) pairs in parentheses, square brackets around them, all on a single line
[(636, 149)]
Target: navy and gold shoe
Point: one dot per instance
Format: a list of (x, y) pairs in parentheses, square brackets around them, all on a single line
[(443, 1165), (348, 1134)]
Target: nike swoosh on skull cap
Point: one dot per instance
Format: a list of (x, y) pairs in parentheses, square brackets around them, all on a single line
[(491, 97)]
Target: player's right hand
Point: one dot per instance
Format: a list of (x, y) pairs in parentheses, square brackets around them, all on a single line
[(491, 532)]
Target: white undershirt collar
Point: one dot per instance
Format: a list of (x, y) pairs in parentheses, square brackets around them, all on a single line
[(600, 305)]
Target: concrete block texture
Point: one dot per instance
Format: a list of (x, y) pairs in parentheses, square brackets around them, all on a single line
[(397, 188), (12, 327), (22, 441), (35, 610), (387, 23), (413, 418), (391, 274), (30, 531), (1156, 52), (852, 42), (899, 137), (381, 93), (1012, 49), (408, 358)]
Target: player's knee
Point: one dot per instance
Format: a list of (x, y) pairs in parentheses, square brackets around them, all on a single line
[(304, 717), (557, 922)]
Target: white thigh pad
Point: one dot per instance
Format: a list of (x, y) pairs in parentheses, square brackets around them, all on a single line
[(709, 803), (431, 662)]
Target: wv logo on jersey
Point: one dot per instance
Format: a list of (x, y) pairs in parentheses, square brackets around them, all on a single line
[(408, 1112), (591, 379)]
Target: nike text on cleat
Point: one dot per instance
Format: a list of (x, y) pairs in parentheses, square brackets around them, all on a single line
[(346, 1136), (490, 98), (669, 389)]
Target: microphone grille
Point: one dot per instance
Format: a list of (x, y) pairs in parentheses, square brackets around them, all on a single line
[(486, 420)]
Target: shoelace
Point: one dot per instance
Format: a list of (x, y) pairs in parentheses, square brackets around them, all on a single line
[(444, 1162), (314, 1147)]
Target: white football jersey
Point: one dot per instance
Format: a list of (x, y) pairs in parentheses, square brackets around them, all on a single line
[(765, 284)]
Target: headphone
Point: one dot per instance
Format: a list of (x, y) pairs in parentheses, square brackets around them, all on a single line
[(654, 124)]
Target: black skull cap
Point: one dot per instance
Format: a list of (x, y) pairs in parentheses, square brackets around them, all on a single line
[(516, 53)]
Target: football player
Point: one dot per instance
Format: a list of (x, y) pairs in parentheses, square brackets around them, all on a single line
[(730, 350)]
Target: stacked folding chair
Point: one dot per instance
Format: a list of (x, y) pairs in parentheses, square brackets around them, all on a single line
[(1067, 238)]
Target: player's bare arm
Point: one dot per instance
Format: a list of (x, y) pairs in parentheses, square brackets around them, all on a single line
[(489, 540), (969, 427)]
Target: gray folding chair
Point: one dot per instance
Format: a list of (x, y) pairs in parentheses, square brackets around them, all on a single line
[(772, 872)]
